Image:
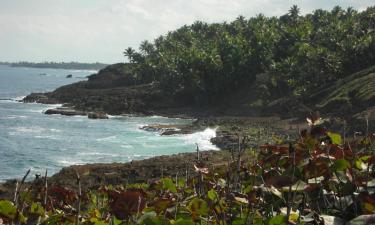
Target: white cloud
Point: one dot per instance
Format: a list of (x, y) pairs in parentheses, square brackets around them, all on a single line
[(99, 30)]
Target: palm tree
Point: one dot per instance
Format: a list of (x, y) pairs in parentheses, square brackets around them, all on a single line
[(294, 14), (129, 52), (146, 47)]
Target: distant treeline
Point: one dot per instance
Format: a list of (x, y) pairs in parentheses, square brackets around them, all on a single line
[(59, 65)]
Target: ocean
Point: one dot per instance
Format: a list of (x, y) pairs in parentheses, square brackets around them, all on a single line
[(32, 140)]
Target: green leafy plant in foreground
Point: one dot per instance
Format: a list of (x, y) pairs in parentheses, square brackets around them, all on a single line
[(320, 178)]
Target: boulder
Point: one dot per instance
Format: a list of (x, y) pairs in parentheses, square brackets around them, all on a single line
[(69, 76), (97, 115)]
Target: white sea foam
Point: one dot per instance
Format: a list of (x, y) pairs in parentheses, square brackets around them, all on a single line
[(51, 137), (79, 71), (97, 154), (55, 130), (126, 146), (15, 117), (22, 130), (19, 98), (69, 162), (109, 138), (15, 99), (202, 139), (115, 116)]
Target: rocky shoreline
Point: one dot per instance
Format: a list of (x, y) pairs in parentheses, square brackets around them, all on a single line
[(95, 175), (112, 92)]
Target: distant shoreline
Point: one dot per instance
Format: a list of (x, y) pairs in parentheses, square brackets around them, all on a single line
[(60, 65)]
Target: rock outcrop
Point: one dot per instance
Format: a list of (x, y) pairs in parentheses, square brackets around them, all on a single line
[(97, 115), (65, 111)]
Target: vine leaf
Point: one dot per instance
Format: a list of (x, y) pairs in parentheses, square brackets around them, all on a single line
[(7, 209), (198, 207), (335, 138)]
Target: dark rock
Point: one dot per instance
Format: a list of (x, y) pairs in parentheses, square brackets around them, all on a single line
[(161, 128), (65, 112), (97, 115), (40, 98), (69, 76)]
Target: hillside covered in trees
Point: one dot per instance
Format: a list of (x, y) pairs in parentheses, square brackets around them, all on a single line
[(293, 55), (287, 66)]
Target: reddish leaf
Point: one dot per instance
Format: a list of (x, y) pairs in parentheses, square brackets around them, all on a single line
[(60, 197), (316, 168), (311, 187), (318, 131), (278, 181), (123, 204), (162, 204)]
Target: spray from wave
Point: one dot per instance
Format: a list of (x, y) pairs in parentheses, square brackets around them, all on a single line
[(202, 139)]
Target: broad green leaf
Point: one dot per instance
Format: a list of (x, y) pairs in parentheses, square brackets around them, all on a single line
[(221, 182), (169, 185), (181, 183), (99, 222), (359, 164), (54, 219), (198, 207), (278, 220), (335, 138), (7, 209), (239, 221), (183, 222), (155, 221), (37, 208), (212, 195), (147, 215), (341, 165)]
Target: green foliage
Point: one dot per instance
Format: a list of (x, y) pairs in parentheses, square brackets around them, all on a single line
[(212, 195), (341, 165), (278, 220), (37, 208), (183, 222), (203, 62), (7, 209), (335, 138), (198, 207), (169, 185)]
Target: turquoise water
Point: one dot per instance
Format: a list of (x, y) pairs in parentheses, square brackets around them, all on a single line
[(31, 139)]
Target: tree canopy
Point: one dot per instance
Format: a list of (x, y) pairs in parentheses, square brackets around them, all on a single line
[(204, 62)]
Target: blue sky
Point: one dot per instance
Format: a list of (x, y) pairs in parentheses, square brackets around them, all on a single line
[(99, 30)]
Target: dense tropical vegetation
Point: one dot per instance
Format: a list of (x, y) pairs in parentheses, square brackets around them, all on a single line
[(296, 53), (320, 178)]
